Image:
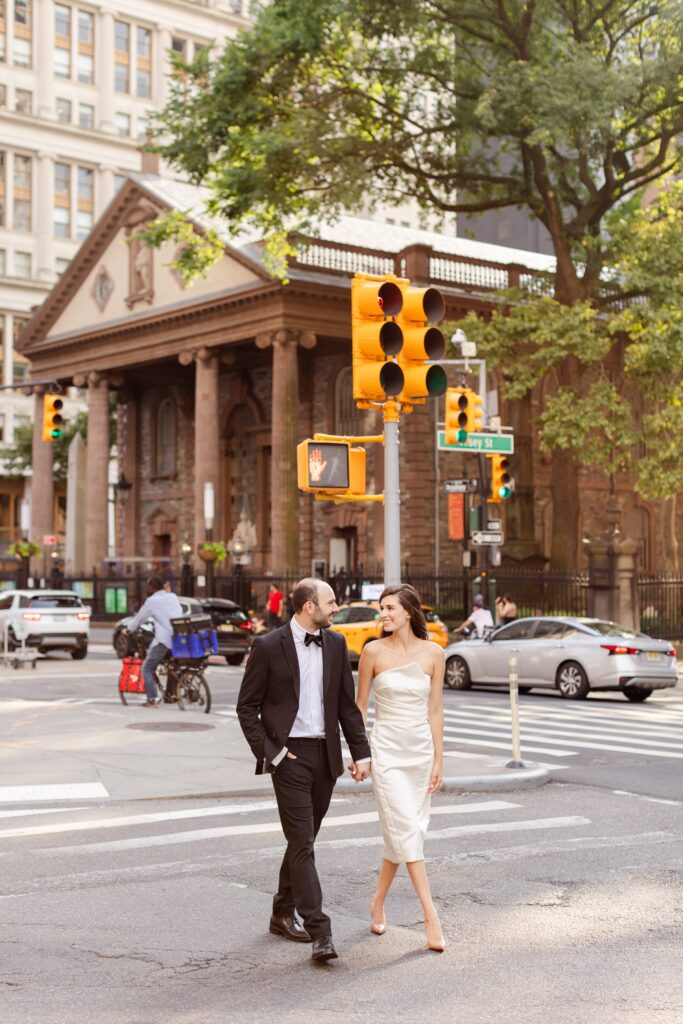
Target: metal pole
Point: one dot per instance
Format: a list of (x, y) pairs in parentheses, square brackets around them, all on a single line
[(392, 496), (516, 761)]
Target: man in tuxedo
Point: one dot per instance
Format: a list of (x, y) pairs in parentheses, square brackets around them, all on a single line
[(296, 693)]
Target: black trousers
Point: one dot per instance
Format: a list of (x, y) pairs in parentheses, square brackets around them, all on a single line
[(303, 789)]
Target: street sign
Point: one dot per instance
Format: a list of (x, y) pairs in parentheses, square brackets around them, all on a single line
[(487, 537), (460, 486), (493, 524), (49, 540), (499, 444)]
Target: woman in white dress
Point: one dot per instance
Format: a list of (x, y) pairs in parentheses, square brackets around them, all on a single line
[(406, 671)]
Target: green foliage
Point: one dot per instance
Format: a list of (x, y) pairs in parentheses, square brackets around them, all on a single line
[(218, 547), (199, 250), (25, 548)]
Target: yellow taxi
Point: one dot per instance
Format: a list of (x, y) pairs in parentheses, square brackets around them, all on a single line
[(358, 622)]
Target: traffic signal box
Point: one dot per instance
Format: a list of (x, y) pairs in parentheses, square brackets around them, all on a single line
[(421, 344), (53, 421), (392, 342), (463, 414), (501, 480), (333, 467)]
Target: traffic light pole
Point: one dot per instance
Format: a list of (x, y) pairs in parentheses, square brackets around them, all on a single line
[(392, 496)]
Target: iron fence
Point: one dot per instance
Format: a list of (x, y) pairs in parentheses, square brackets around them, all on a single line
[(660, 599)]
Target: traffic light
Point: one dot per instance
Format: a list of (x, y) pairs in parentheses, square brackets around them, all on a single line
[(501, 480), (456, 416), (375, 339), (422, 344), (53, 421), (332, 466)]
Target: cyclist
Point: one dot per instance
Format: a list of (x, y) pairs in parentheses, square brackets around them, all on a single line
[(479, 619), (161, 606)]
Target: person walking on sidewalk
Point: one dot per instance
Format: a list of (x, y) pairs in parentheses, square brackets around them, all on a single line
[(161, 606), (296, 692)]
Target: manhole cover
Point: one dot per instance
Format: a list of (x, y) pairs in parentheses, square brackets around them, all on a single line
[(171, 726)]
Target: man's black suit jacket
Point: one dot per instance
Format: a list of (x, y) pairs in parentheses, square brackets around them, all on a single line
[(269, 698)]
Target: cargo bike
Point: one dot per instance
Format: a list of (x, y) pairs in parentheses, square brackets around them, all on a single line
[(180, 676)]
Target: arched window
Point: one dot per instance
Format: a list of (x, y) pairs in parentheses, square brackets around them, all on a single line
[(165, 438), (346, 421)]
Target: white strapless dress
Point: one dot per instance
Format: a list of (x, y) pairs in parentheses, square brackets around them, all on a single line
[(402, 760)]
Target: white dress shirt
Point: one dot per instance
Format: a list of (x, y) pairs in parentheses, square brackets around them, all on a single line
[(310, 719)]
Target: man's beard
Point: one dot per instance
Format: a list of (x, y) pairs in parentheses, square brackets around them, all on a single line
[(320, 619)]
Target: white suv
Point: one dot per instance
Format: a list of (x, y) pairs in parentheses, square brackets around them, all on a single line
[(46, 619)]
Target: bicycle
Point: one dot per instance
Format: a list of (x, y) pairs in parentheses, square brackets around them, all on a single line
[(192, 691)]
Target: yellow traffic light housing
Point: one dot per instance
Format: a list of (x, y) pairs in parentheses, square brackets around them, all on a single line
[(53, 421), (501, 480), (422, 344), (333, 467), (456, 415), (375, 339)]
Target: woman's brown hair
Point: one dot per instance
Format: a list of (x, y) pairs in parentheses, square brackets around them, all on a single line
[(410, 600)]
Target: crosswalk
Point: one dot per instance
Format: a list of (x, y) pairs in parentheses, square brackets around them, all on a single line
[(76, 832)]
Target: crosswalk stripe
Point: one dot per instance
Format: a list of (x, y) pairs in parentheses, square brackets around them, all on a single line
[(63, 791), (456, 831), (588, 711), (533, 731), (257, 828), (566, 722), (465, 734)]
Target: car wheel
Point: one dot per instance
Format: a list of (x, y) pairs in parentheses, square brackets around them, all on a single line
[(572, 681), (234, 659), (636, 694), (525, 689), (79, 653), (457, 674)]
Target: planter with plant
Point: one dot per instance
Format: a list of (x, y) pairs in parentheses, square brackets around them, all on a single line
[(25, 549), (212, 551)]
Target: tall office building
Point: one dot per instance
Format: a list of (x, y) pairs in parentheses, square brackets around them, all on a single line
[(78, 82)]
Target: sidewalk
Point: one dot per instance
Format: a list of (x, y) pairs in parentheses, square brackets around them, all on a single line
[(136, 753)]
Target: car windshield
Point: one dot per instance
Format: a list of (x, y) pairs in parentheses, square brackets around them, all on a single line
[(602, 628), (341, 616), (51, 601)]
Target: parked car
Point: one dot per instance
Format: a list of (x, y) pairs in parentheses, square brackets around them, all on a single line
[(233, 629), (571, 655), (358, 622), (50, 620)]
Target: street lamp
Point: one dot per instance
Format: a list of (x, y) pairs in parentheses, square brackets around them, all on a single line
[(209, 510), (238, 550), (186, 576)]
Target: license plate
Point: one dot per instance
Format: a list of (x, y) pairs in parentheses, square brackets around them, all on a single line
[(226, 628), (652, 655)]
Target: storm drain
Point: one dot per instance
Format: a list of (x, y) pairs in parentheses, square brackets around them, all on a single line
[(616, 762), (171, 726)]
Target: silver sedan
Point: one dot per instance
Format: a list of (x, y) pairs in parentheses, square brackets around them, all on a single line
[(572, 655)]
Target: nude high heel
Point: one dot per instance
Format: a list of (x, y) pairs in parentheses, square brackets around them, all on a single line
[(377, 929), (436, 945)]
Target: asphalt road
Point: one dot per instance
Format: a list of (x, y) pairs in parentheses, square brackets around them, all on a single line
[(563, 903)]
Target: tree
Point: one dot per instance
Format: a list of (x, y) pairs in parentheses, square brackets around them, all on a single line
[(567, 108), (18, 457)]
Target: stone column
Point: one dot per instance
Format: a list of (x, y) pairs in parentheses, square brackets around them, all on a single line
[(104, 71), (105, 192), (42, 480), (206, 441), (8, 351), (626, 581), (44, 34), (128, 447), (284, 520), (46, 184), (97, 466)]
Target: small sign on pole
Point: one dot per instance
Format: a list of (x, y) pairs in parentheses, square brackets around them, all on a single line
[(460, 486), (49, 540)]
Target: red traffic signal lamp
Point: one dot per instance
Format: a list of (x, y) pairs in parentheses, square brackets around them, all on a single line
[(53, 421), (422, 344), (501, 480), (375, 339)]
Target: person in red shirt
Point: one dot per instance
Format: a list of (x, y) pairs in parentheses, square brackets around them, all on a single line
[(274, 607)]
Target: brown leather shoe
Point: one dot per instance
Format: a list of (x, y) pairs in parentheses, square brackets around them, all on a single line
[(323, 949), (289, 927)]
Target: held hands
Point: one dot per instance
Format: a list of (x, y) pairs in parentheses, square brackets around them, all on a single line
[(359, 772), (436, 779)]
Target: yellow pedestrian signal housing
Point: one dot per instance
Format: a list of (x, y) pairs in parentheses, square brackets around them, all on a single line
[(331, 466), (501, 480), (422, 344), (463, 414), (375, 339), (53, 421)]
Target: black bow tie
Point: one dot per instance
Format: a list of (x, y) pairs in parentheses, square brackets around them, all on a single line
[(313, 638)]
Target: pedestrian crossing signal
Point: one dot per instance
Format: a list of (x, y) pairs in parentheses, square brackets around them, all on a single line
[(53, 421)]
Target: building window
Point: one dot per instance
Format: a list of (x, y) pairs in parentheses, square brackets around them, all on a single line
[(3, 32), (121, 56), (86, 45), (178, 46), (22, 33), (122, 124), (3, 187), (165, 438), (86, 202), (62, 201), (64, 111), (62, 55), (144, 63), (23, 101), (137, 63), (22, 193), (61, 265), (22, 265), (86, 115), (143, 125), (3, 96), (3, 262)]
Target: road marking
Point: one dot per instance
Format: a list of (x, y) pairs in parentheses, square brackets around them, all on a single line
[(62, 791), (200, 835), (551, 732), (567, 722), (648, 799), (39, 810), (529, 748), (571, 821)]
